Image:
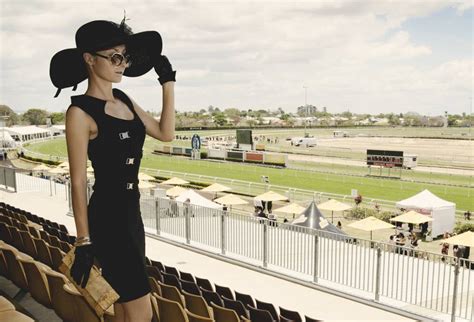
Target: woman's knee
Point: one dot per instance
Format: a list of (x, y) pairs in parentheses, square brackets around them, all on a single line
[(138, 310)]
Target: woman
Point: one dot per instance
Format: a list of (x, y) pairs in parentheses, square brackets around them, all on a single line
[(107, 126)]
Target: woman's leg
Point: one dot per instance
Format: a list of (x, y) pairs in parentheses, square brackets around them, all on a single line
[(138, 310), (119, 313)]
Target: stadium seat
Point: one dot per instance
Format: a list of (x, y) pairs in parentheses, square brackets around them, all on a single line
[(153, 271), (14, 316), (170, 310), (3, 265), (244, 298), (222, 314), (15, 270), (84, 312), (204, 283), (187, 277), (29, 246), (56, 257), (37, 282), (54, 241), (17, 241), (237, 306), (65, 247), (224, 291), (197, 305), (171, 293), (60, 299), (170, 279), (308, 319), (158, 265), (190, 287), (5, 305), (154, 308), (33, 232), (197, 318), (268, 307), (172, 270), (211, 296), (260, 315), (43, 252), (290, 315), (155, 288)]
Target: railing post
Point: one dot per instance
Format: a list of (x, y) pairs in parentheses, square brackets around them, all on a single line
[(187, 222), (50, 186), (223, 232), (455, 290), (68, 197), (316, 257), (265, 244), (377, 276), (14, 181), (157, 216)]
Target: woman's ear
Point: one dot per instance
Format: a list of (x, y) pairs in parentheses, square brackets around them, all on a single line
[(88, 59)]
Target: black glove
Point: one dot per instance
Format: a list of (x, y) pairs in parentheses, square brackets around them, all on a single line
[(83, 261), (164, 70)]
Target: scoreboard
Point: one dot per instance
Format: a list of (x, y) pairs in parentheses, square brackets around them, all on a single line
[(244, 137), (385, 158)]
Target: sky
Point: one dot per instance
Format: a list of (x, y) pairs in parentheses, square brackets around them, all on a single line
[(364, 56)]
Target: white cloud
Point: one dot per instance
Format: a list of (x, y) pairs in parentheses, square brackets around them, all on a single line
[(351, 54)]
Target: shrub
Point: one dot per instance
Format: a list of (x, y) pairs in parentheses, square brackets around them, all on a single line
[(463, 227), (361, 213), (384, 215)]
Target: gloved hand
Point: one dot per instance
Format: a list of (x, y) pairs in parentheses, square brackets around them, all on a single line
[(164, 70), (83, 261)]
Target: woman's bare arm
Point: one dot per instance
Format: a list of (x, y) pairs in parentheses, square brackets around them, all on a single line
[(163, 130), (77, 139)]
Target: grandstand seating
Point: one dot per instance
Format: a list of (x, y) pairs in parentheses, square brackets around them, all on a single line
[(32, 248)]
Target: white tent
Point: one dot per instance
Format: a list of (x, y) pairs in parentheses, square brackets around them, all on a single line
[(196, 199), (443, 212)]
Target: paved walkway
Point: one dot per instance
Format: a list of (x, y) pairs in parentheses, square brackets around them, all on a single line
[(307, 301)]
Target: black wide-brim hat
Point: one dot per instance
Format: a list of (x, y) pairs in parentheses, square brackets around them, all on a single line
[(67, 67)]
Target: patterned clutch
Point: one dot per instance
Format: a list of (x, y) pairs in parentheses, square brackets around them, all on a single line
[(98, 292)]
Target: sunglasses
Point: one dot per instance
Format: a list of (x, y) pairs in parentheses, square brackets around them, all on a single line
[(117, 58)]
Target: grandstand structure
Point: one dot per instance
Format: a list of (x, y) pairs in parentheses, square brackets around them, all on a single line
[(284, 269)]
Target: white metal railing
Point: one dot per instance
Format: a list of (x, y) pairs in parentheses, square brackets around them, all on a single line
[(374, 270)]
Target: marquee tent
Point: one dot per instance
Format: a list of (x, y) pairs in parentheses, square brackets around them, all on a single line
[(443, 212), (313, 218)]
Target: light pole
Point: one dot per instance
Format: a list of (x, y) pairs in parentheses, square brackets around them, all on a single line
[(305, 107)]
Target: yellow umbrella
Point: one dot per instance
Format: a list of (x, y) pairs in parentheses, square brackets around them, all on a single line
[(144, 176), (230, 199), (64, 164), (58, 170), (216, 187), (175, 191), (370, 224), (144, 184), (41, 167), (465, 239), (412, 217), (175, 181), (271, 196), (292, 209), (333, 205)]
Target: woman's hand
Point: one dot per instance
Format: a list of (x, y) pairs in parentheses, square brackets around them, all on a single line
[(83, 261), (164, 70)]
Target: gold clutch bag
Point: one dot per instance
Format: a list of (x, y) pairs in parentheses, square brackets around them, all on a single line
[(98, 292)]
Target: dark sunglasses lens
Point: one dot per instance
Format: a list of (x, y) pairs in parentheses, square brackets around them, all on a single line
[(117, 59)]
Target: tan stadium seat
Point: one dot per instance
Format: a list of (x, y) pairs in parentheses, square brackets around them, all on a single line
[(197, 318), (37, 282), (170, 310), (5, 234), (15, 270), (171, 293), (154, 308), (3, 265), (224, 315), (54, 241), (14, 316), (17, 241), (197, 305), (29, 244), (33, 231), (65, 247), (155, 288), (43, 252), (62, 302), (56, 257), (84, 312), (44, 236), (6, 305)]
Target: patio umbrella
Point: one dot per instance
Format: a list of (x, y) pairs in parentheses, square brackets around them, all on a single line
[(175, 191), (41, 167), (175, 181), (230, 199), (144, 184), (144, 176), (332, 206), (292, 209), (271, 196), (370, 224), (412, 217), (464, 239), (216, 187)]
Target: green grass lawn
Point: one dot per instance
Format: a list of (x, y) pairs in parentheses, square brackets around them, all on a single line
[(316, 181)]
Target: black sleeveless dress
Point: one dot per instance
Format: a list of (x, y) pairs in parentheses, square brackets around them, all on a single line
[(115, 222)]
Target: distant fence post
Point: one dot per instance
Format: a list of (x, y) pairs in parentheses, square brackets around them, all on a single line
[(265, 244), (316, 257), (187, 221), (157, 216), (223, 232), (377, 276), (455, 291), (68, 197)]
